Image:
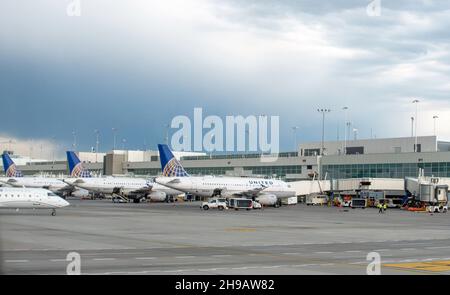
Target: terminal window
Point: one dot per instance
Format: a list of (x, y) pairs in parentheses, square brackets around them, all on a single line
[(311, 152), (355, 150)]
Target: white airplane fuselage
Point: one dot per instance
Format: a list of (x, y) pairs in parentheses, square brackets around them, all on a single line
[(107, 185), (206, 186), (30, 198), (52, 184)]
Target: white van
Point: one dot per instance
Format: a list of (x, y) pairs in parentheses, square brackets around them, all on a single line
[(313, 200)]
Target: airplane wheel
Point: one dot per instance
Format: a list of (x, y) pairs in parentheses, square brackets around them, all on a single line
[(53, 213)]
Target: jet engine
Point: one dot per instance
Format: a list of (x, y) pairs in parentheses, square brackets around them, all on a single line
[(157, 196), (267, 199)]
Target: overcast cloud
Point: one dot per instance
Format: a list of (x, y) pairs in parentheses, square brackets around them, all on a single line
[(134, 65)]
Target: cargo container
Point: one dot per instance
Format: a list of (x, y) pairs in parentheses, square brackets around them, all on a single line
[(240, 203)]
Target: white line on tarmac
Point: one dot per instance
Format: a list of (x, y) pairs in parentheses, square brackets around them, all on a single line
[(184, 257), (145, 258), (224, 255), (442, 247), (324, 252), (353, 251), (58, 260), (16, 261), (103, 259)]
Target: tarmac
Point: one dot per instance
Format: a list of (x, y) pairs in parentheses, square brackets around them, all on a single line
[(180, 238)]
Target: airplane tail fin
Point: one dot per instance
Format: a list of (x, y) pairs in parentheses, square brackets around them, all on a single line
[(9, 166), (76, 168), (170, 166)]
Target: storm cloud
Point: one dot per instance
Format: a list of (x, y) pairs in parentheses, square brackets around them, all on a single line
[(134, 65)]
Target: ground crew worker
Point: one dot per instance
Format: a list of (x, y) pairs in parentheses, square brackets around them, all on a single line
[(380, 207), (384, 207)]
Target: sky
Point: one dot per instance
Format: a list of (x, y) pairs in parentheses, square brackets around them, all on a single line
[(135, 65)]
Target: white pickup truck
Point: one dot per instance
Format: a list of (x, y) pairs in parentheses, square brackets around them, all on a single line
[(215, 203)]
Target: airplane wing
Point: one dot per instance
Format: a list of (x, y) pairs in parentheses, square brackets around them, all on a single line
[(249, 193), (143, 190)]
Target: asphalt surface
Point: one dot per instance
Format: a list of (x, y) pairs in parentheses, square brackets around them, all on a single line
[(159, 238)]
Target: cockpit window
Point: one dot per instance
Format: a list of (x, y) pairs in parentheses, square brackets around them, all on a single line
[(52, 195)]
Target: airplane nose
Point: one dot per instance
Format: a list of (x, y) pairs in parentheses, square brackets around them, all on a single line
[(64, 203)]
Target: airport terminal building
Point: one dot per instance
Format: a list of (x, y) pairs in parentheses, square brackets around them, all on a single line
[(375, 158)]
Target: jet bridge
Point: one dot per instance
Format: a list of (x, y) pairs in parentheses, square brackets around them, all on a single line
[(430, 190)]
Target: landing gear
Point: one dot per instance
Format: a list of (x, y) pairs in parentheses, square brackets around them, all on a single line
[(53, 212)]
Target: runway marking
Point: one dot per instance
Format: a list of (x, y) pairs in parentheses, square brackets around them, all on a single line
[(224, 255), (16, 261), (145, 258), (212, 269), (358, 262), (58, 260), (381, 250), (407, 249), (433, 266), (240, 229), (323, 252), (184, 257), (442, 247), (290, 253), (353, 251), (103, 259)]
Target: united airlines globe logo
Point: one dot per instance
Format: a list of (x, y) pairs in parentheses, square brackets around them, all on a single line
[(13, 172), (79, 171), (174, 168)]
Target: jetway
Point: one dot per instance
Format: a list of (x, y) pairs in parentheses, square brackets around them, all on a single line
[(430, 190), (374, 184), (307, 187)]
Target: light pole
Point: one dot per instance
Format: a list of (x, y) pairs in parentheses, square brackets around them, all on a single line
[(355, 133), (124, 141), (114, 130), (97, 133), (345, 129), (74, 144), (323, 112), (434, 124), (412, 126), (416, 102), (53, 149), (294, 130)]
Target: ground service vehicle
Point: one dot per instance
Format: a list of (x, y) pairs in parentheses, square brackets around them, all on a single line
[(214, 203), (316, 200), (240, 203)]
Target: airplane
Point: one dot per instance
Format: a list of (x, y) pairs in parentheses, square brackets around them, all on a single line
[(30, 198), (267, 192), (14, 178), (137, 188)]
